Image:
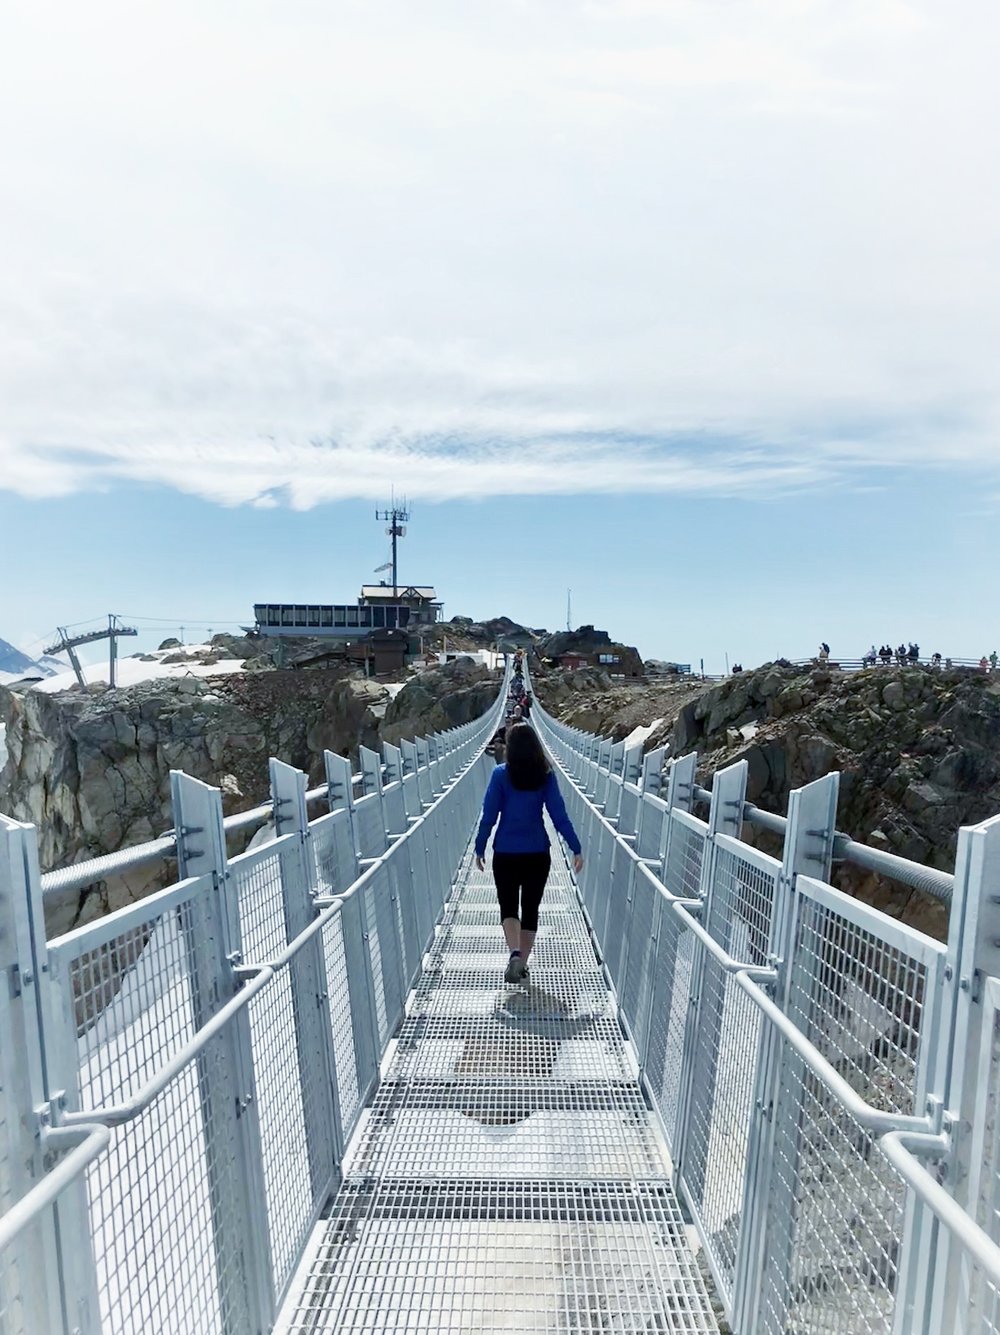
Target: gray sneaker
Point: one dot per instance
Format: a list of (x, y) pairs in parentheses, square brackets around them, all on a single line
[(515, 970)]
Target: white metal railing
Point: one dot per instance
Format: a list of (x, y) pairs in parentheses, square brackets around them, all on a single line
[(827, 1078), (178, 1080)]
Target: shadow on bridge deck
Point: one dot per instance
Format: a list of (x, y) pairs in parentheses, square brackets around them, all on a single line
[(508, 1175)]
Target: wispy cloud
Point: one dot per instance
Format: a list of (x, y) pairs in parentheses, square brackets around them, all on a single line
[(280, 257)]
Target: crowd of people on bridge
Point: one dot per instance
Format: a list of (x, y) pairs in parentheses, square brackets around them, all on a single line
[(519, 705), (522, 788)]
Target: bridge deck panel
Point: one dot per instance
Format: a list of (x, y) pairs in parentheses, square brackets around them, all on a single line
[(508, 1174)]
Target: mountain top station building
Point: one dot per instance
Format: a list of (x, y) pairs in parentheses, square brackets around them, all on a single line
[(379, 607)]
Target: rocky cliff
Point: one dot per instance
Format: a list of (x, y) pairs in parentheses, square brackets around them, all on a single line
[(439, 699), (92, 768), (918, 751)]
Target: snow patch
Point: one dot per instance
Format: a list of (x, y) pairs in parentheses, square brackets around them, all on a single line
[(639, 734), (131, 671)]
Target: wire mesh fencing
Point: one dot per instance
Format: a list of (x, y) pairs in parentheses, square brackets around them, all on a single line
[(826, 1078), (228, 1029)]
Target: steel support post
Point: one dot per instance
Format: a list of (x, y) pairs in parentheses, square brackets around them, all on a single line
[(339, 781), (648, 825), (371, 831), (411, 782), (361, 989), (440, 875), (613, 799), (423, 751), (662, 962), (768, 1217), (633, 953), (412, 945), (652, 770), (371, 770), (340, 790), (619, 919), (960, 1299), (48, 1279), (628, 801), (310, 989), (701, 1038), (233, 1156), (423, 772), (409, 751), (393, 793), (392, 758), (616, 759), (384, 892)]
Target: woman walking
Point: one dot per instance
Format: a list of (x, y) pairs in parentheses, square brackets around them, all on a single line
[(519, 793)]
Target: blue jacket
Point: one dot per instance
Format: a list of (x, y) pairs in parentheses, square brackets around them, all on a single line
[(522, 829)]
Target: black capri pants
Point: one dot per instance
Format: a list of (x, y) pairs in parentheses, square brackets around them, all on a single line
[(521, 877)]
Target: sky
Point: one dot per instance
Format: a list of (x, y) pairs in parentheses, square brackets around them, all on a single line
[(689, 306)]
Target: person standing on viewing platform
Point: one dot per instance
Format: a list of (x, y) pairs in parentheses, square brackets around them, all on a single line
[(519, 793)]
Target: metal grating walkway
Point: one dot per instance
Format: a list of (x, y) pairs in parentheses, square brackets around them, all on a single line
[(508, 1175)]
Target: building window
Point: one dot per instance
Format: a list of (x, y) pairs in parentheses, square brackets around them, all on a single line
[(352, 616), (379, 617), (288, 616), (327, 616), (314, 616), (340, 616), (608, 658), (390, 617)]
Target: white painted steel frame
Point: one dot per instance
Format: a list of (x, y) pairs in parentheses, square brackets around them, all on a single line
[(508, 1174), (933, 1224), (275, 899)]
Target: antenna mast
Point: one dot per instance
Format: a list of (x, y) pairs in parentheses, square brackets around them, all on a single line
[(396, 516)]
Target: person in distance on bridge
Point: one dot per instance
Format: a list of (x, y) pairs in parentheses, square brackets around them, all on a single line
[(519, 793)]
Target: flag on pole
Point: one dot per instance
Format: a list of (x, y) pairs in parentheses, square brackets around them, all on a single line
[(387, 565)]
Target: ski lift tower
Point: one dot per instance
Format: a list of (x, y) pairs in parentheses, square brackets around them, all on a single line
[(397, 517), (67, 644)]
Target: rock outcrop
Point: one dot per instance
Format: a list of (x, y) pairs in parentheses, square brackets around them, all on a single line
[(91, 769), (591, 643), (918, 751), (587, 698), (439, 699)]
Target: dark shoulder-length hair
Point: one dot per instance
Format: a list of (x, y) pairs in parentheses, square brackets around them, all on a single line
[(527, 764)]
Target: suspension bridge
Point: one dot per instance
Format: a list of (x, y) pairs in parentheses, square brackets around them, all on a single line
[(290, 1091)]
